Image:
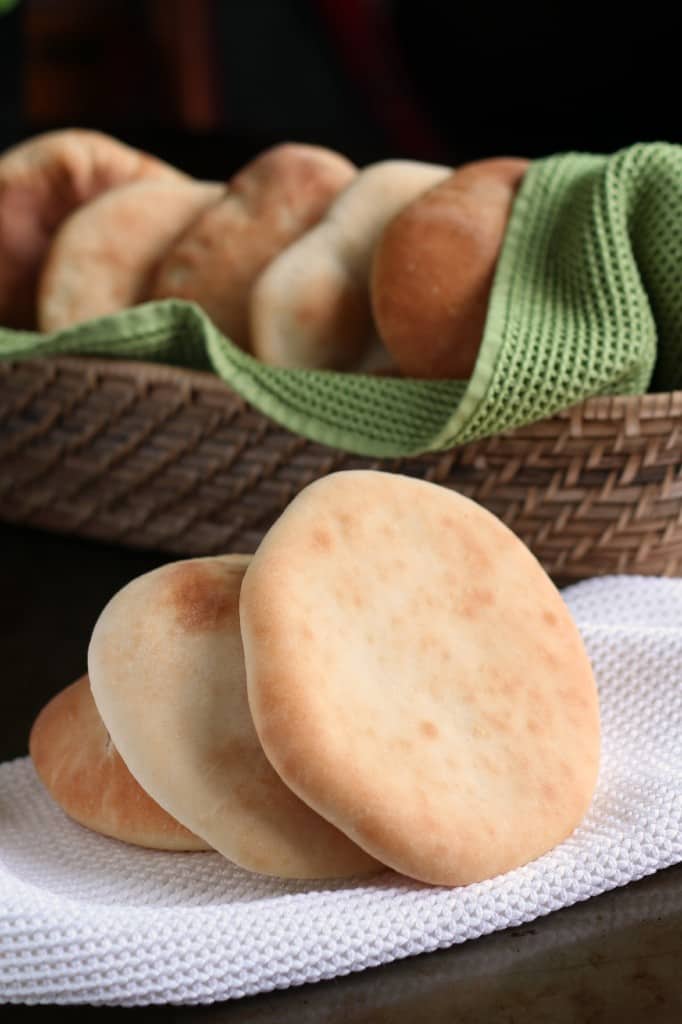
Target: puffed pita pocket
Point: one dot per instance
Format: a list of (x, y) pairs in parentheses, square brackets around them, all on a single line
[(83, 772), (102, 257), (415, 677), (269, 203), (167, 673)]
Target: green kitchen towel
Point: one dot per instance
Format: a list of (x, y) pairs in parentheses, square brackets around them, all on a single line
[(587, 300)]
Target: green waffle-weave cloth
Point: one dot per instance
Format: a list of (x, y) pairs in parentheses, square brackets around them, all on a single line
[(587, 300)]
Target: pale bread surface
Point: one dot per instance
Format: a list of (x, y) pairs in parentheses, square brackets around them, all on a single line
[(270, 202), (310, 307), (433, 269), (167, 673), (42, 181), (101, 258), (415, 677), (81, 769)]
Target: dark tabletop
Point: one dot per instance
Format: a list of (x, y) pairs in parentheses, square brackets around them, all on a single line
[(617, 957)]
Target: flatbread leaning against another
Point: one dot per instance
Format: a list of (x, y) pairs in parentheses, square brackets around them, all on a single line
[(415, 677), (42, 181), (83, 772), (167, 673), (269, 203), (101, 259)]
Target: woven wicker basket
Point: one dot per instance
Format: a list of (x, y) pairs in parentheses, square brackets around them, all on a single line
[(153, 457)]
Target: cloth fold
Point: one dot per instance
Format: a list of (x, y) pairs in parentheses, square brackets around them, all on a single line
[(86, 919), (586, 301)]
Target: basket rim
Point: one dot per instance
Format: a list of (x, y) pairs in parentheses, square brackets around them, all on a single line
[(650, 405), (592, 490)]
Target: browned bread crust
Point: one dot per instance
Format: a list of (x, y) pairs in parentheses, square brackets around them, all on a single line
[(83, 772), (434, 266)]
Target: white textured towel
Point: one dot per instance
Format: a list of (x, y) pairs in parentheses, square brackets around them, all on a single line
[(85, 919)]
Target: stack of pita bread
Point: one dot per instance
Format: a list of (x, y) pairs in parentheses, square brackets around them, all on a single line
[(390, 680), (300, 258)]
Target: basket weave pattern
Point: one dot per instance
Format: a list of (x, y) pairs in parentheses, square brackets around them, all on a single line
[(154, 457)]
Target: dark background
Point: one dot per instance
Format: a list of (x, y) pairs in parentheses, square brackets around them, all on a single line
[(209, 83)]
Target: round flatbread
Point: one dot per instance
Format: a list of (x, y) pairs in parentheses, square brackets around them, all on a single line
[(101, 259), (83, 772), (42, 181), (310, 309), (416, 678), (167, 674), (269, 204), (433, 270)]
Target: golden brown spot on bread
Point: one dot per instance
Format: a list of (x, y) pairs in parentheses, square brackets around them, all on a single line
[(348, 523), (483, 596), (200, 597), (477, 554), (475, 601), (401, 744), (549, 792), (508, 686), (428, 729), (549, 617), (549, 657), (536, 698), (487, 763), (496, 721), (322, 539), (533, 726)]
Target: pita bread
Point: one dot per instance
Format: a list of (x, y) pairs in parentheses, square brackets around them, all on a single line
[(101, 258), (270, 202), (42, 181), (433, 269), (167, 674), (83, 772), (311, 308), (415, 677)]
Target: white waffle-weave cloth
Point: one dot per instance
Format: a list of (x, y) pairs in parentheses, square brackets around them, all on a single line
[(86, 919)]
